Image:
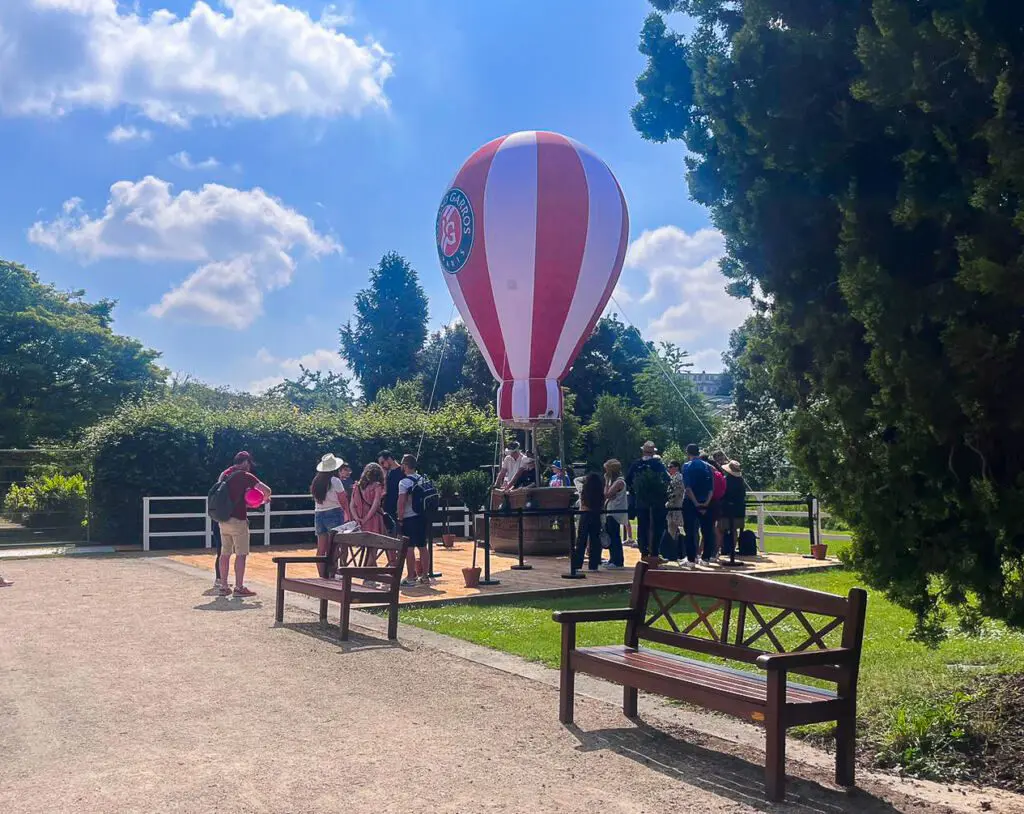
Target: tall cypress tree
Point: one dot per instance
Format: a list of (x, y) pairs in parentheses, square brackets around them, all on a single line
[(383, 341)]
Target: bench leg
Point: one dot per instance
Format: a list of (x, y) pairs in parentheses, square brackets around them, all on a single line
[(323, 611), (393, 621), (846, 749), (279, 607), (775, 747), (567, 676), (629, 699), (345, 610)]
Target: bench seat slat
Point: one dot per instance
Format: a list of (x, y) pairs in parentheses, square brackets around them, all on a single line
[(748, 686)]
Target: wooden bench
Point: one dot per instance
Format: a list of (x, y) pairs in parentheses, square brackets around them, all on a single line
[(356, 556), (728, 616)]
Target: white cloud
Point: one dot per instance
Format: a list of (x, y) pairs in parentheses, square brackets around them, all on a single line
[(121, 134), (244, 242), (254, 59), (684, 298), (323, 360), (185, 162)]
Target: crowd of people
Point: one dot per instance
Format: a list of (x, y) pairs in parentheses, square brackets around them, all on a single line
[(704, 511), (701, 518), (381, 501)]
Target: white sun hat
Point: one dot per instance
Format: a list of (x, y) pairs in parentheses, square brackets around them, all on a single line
[(329, 463)]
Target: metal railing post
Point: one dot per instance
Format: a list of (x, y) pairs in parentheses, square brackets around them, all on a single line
[(761, 542), (209, 524), (266, 523), (522, 566), (145, 524)]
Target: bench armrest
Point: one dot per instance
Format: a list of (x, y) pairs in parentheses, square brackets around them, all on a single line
[(279, 560), (806, 658), (599, 615)]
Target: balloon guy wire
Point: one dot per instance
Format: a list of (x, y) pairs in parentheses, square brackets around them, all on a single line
[(446, 330)]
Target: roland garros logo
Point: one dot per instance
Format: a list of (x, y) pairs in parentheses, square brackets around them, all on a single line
[(455, 226)]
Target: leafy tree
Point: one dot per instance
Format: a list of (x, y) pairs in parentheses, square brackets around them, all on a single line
[(746, 366), (478, 384), (607, 364), (675, 411), (441, 362), (864, 159), (616, 430), (759, 439), (390, 326), (62, 367), (314, 390), (185, 387)]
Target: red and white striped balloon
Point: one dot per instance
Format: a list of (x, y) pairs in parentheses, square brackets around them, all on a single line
[(532, 234)]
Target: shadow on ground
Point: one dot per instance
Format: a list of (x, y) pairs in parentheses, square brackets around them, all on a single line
[(722, 774), (331, 634)]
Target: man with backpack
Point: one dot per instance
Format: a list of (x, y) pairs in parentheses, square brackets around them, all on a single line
[(417, 498), (699, 482), (651, 518), (226, 505)]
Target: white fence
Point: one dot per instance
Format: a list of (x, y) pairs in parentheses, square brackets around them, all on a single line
[(765, 514), (267, 512)]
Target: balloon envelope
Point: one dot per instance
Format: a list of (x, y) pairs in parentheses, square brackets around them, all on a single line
[(531, 235)]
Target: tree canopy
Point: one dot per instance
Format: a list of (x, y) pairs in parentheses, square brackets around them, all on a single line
[(865, 162), (62, 366), (383, 341)]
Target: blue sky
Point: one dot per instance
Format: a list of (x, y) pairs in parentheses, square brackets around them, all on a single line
[(228, 172)]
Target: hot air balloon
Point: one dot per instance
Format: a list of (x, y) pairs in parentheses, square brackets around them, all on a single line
[(531, 236)]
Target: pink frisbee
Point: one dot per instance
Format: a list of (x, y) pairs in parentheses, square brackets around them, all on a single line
[(253, 498)]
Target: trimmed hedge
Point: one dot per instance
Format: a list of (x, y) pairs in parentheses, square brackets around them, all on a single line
[(178, 448)]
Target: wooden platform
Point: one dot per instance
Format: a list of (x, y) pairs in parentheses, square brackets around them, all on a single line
[(544, 577)]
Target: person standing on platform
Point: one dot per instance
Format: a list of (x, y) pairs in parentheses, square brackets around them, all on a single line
[(734, 506), (412, 524), (588, 538), (699, 482), (671, 543), (617, 506), (510, 467), (650, 517), (392, 477)]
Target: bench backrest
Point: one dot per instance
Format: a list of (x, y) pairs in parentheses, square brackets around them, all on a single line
[(740, 617), (363, 549)]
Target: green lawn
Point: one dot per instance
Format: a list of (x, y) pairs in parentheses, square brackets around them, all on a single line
[(904, 685)]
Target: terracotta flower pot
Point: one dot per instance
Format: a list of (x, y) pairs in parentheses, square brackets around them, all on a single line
[(448, 540), (819, 550), (472, 577)]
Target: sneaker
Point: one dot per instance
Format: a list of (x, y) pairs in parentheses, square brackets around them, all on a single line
[(689, 565), (224, 590), (706, 563), (369, 583), (610, 566), (244, 592), (217, 585), (425, 579), (409, 583)]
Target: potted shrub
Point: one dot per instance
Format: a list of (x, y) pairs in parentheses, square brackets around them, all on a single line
[(447, 490), (475, 487), (819, 550)]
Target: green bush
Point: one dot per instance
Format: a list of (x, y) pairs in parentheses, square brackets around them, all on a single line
[(179, 448), (54, 500), (475, 488)]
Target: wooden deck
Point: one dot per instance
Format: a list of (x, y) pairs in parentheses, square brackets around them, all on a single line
[(545, 576)]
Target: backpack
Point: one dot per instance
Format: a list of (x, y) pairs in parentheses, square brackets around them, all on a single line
[(425, 498), (748, 543), (718, 489), (219, 505)]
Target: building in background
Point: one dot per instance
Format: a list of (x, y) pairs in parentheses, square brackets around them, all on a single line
[(709, 384)]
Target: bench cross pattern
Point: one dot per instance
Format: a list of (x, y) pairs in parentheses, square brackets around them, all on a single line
[(780, 629)]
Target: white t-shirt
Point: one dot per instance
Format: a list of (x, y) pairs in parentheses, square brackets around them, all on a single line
[(511, 466), (405, 487), (331, 500)]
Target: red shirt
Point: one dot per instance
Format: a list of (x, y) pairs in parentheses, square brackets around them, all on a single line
[(237, 488)]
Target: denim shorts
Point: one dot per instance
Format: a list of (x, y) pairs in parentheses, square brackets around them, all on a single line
[(330, 519)]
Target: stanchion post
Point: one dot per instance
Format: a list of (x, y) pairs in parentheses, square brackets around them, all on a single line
[(522, 566), (487, 553), (573, 573), (810, 522)]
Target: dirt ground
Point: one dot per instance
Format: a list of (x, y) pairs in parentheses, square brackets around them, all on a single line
[(124, 689)]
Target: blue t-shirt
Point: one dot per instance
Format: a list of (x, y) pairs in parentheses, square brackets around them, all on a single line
[(698, 478)]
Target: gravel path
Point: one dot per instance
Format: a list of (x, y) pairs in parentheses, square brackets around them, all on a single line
[(124, 689)]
